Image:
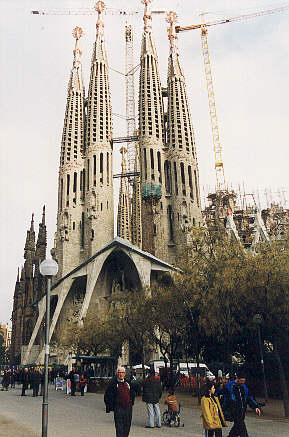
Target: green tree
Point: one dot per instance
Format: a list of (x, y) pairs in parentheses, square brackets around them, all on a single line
[(92, 337), (130, 318), (212, 266), (267, 293), (170, 320)]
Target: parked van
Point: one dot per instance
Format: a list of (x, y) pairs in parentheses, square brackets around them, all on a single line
[(193, 367), (156, 365)]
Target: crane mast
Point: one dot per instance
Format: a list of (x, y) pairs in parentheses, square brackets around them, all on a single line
[(219, 166)]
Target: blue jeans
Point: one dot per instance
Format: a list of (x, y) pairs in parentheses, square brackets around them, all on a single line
[(154, 410)]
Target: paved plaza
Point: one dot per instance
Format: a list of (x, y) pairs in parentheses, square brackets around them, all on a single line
[(85, 416)]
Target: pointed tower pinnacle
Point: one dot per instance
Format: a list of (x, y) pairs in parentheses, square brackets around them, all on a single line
[(150, 93), (180, 131), (185, 208), (147, 18), (69, 215), (30, 242), (123, 215), (98, 218), (41, 244), (43, 216), (32, 223), (73, 129)]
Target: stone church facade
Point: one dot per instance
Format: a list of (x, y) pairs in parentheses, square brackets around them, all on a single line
[(152, 223)]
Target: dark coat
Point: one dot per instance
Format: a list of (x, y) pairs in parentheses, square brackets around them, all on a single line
[(6, 379), (111, 393), (25, 379), (237, 397), (36, 377), (151, 391)]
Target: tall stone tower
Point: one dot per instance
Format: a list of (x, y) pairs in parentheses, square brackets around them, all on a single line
[(29, 287), (17, 321), (151, 137), (181, 171), (69, 240), (29, 254), (98, 220)]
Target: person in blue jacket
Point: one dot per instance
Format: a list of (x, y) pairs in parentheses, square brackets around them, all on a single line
[(237, 397)]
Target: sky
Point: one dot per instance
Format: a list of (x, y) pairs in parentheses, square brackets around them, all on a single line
[(250, 66)]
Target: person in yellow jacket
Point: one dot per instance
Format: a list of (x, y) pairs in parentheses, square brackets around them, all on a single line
[(212, 414)]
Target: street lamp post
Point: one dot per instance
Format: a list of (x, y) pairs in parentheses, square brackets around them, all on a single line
[(258, 320), (48, 268)]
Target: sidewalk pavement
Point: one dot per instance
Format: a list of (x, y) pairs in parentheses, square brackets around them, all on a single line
[(85, 417)]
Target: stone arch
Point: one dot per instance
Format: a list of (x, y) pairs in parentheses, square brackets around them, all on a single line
[(118, 273), (72, 305)]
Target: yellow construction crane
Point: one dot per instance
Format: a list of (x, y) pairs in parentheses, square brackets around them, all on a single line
[(219, 165)]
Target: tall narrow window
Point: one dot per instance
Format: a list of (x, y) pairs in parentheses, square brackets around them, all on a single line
[(152, 159), (61, 194), (159, 166), (88, 171), (94, 170), (145, 163), (183, 178), (168, 179), (83, 183), (101, 168), (82, 230), (176, 178), (107, 168), (67, 184), (197, 188), (74, 182), (171, 227), (190, 181)]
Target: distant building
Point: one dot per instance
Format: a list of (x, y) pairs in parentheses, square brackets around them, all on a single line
[(6, 332)]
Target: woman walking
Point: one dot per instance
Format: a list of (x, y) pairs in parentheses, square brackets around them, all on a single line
[(212, 414)]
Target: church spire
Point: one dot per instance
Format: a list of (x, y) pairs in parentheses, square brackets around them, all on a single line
[(185, 208), (180, 131), (67, 241), (73, 129), (41, 240), (98, 218), (151, 144), (43, 216), (123, 216), (30, 241), (150, 93), (99, 126)]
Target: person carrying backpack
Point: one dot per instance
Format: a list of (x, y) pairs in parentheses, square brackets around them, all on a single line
[(237, 397)]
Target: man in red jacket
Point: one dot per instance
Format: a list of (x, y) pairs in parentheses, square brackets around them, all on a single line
[(119, 398)]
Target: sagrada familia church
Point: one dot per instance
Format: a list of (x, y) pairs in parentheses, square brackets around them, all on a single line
[(159, 199), (153, 215)]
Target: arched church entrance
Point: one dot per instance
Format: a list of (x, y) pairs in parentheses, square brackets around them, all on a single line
[(118, 274), (71, 306)]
